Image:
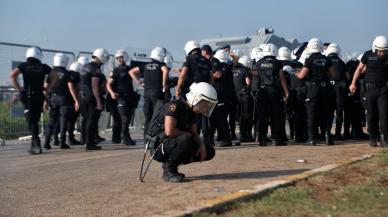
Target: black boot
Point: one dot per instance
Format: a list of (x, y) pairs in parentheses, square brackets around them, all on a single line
[(383, 141), (92, 147), (373, 143), (170, 172), (73, 141), (35, 147), (47, 143), (56, 140), (226, 144), (279, 142), (338, 136), (329, 139), (311, 142)]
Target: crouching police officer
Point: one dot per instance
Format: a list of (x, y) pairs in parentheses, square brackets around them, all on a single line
[(32, 95), (179, 142), (376, 83)]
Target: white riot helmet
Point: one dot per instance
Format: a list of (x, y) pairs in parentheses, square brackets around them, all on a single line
[(380, 43), (190, 46), (315, 46), (204, 96), (305, 55), (288, 69), (75, 66), (122, 53), (222, 56), (256, 53), (34, 52), (333, 48), (245, 61), (158, 54), (101, 54), (60, 60), (83, 60), (169, 61), (284, 53), (270, 50)]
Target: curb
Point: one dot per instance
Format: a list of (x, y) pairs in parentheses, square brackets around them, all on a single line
[(218, 203)]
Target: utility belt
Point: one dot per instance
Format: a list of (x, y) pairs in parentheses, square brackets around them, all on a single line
[(338, 83), (298, 89), (375, 84), (262, 86), (244, 92), (310, 84)]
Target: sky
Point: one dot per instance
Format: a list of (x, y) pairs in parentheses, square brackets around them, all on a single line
[(76, 25)]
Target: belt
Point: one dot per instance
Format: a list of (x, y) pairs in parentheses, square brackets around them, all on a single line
[(375, 84), (314, 83)]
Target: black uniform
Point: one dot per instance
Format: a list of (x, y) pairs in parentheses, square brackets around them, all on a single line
[(317, 102), (255, 95), (296, 101), (219, 116), (181, 149), (60, 105), (32, 97), (271, 102), (153, 88), (287, 114), (199, 70), (126, 98), (88, 104), (376, 84), (354, 112), (73, 114), (340, 92), (245, 100)]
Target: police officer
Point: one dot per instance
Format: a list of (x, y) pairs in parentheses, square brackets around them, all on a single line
[(256, 55), (74, 70), (90, 98), (284, 55), (120, 88), (317, 70), (61, 95), (32, 91), (271, 83), (296, 102), (242, 83), (197, 68), (155, 81), (376, 82), (102, 90), (179, 142), (221, 83), (339, 83), (354, 112)]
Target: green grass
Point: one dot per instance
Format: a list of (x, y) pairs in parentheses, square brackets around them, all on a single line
[(356, 190)]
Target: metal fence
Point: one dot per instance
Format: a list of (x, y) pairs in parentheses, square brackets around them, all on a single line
[(12, 121)]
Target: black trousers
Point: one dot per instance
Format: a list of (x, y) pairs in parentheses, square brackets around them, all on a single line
[(59, 113), (270, 107), (246, 113), (33, 107), (377, 102), (318, 109), (71, 122), (125, 109), (204, 127), (256, 100), (340, 92), (89, 121), (182, 150), (232, 114), (218, 120), (297, 98), (111, 106), (148, 108)]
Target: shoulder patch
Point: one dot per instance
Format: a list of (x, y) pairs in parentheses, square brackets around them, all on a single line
[(172, 108)]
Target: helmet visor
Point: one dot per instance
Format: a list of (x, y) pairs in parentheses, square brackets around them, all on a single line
[(205, 107)]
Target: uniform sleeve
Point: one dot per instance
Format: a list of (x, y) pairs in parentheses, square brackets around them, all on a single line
[(364, 58), (22, 67), (114, 75), (187, 63), (47, 69), (171, 110), (96, 73), (307, 63)]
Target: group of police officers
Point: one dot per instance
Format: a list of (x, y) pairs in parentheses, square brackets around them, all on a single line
[(305, 87)]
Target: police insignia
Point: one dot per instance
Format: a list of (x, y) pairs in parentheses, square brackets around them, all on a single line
[(172, 108)]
